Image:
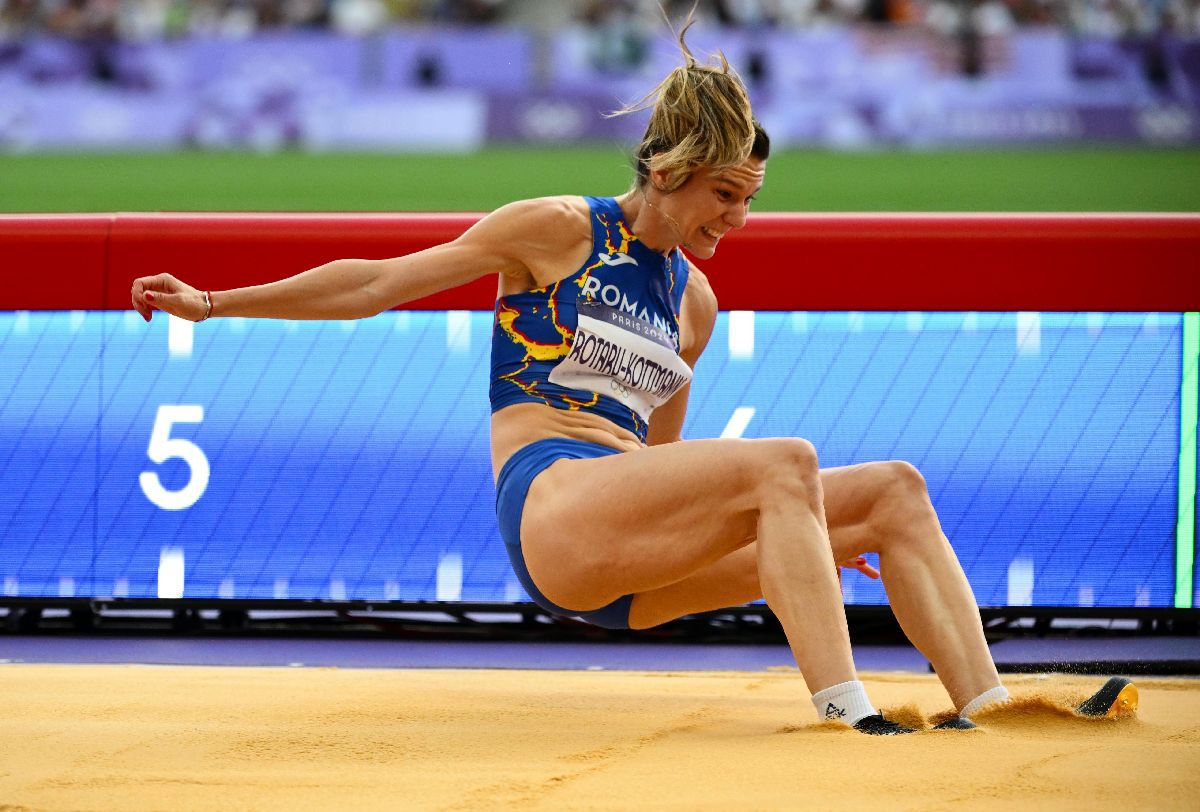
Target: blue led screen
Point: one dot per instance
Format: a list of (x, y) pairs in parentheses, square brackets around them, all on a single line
[(349, 460)]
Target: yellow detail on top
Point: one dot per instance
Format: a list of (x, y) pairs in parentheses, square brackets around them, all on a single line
[(528, 388), (637, 418), (576, 405), (627, 236), (537, 350), (568, 335), (610, 247)]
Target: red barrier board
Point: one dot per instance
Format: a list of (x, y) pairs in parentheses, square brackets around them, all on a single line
[(53, 262), (217, 252), (999, 262)]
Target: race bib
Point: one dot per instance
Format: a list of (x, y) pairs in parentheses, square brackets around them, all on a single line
[(622, 357)]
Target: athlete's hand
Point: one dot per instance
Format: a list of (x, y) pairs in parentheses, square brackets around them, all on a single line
[(860, 563), (166, 293)]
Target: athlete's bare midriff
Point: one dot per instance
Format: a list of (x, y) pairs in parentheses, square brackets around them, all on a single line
[(520, 424)]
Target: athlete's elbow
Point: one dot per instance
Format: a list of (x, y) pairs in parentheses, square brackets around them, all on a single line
[(372, 297), (341, 289), (366, 303)]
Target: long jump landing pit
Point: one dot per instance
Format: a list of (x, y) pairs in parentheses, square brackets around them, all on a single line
[(130, 737)]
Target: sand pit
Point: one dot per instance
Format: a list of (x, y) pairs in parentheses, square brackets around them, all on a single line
[(194, 738)]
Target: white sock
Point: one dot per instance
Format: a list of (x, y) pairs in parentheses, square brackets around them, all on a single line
[(989, 697), (846, 702)]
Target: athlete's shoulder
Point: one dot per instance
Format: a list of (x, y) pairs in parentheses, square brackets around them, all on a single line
[(544, 237), (534, 234), (560, 216)]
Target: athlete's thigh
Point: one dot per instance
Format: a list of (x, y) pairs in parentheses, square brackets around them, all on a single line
[(851, 493), (732, 580), (595, 529)]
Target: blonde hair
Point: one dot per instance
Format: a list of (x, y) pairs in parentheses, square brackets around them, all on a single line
[(699, 116)]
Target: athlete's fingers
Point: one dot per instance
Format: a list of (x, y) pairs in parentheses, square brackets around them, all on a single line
[(166, 293), (138, 297), (860, 563), (143, 285)]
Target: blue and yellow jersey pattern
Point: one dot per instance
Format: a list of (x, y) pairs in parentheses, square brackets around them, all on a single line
[(533, 330)]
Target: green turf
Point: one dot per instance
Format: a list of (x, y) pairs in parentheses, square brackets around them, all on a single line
[(1053, 180)]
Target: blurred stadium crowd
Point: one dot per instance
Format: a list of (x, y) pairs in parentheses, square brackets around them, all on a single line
[(143, 19), (461, 74)]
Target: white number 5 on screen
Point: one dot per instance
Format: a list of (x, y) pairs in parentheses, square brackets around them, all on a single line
[(163, 447)]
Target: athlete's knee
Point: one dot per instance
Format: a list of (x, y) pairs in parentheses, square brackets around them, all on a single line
[(788, 470), (905, 480), (902, 503)]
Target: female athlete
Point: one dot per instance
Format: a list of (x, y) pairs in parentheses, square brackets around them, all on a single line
[(606, 513)]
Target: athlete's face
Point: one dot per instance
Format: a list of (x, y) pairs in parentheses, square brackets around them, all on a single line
[(710, 204)]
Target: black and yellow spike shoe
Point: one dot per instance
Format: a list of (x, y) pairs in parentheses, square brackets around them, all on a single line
[(876, 725), (1118, 698), (955, 723)]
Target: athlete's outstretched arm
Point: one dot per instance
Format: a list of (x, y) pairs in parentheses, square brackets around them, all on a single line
[(500, 243), (696, 321)]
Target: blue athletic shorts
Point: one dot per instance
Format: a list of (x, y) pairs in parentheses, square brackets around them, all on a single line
[(512, 486)]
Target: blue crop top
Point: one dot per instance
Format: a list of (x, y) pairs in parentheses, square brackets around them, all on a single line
[(603, 340)]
